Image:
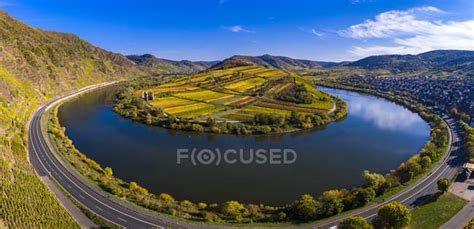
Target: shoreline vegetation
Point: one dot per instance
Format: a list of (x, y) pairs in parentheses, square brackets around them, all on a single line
[(248, 100), (305, 210)]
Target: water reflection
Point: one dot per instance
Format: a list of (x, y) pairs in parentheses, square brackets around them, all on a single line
[(383, 114)]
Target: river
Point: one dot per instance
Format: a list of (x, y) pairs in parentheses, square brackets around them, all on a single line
[(377, 135)]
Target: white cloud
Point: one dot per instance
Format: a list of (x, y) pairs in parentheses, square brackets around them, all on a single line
[(412, 31), (313, 31), (318, 34), (236, 29)]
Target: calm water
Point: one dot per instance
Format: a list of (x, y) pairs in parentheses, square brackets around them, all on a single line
[(377, 135)]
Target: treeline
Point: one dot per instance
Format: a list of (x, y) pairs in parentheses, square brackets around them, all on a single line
[(468, 141), (306, 208), (135, 108)]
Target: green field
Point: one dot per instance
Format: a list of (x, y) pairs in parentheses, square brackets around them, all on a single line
[(436, 213), (235, 94)]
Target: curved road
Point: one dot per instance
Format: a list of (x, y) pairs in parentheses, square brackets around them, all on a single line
[(47, 163)]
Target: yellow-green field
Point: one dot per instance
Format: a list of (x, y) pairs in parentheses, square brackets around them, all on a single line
[(235, 94)]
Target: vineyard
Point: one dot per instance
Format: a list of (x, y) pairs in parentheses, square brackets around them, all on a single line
[(235, 94), (25, 201)]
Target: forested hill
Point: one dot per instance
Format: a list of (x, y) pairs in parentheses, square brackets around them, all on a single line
[(277, 62), (434, 61), (153, 65), (439, 62)]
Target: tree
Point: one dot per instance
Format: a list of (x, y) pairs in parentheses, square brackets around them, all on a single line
[(373, 180), (233, 209), (363, 197), (354, 222), (108, 171), (393, 215), (166, 197), (133, 186), (186, 203), (202, 205), (332, 201), (306, 207), (211, 122), (425, 162), (443, 185)]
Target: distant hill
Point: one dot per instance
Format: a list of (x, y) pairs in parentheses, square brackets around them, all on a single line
[(440, 61), (154, 65), (277, 62)]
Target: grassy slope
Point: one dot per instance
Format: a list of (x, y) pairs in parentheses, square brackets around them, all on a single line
[(436, 213), (35, 66)]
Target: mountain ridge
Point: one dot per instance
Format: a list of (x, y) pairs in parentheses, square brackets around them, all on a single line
[(277, 62), (436, 60), (154, 65)]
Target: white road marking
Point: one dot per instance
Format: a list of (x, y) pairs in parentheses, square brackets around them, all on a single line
[(37, 135), (122, 219)]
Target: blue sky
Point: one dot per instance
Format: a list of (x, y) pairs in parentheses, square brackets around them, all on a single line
[(333, 30)]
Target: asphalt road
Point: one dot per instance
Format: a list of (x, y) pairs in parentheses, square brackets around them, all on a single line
[(46, 163), (97, 201)]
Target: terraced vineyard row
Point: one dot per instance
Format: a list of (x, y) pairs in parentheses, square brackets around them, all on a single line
[(235, 94)]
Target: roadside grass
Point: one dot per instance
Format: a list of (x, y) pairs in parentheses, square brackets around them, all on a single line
[(437, 212)]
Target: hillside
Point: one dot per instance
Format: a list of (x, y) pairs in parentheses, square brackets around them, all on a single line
[(36, 65), (433, 61), (276, 62), (255, 99), (153, 65)]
